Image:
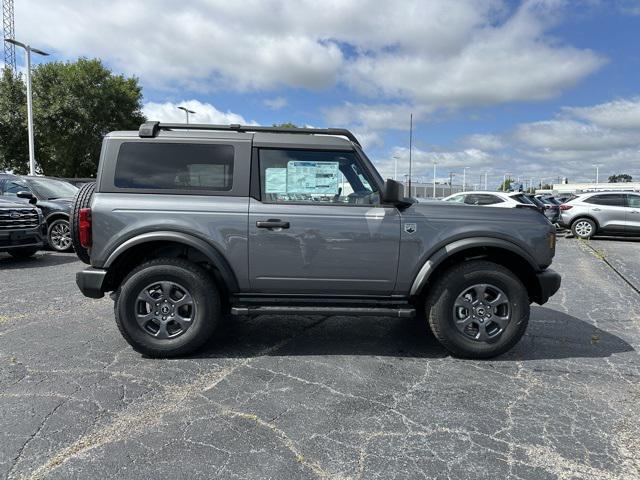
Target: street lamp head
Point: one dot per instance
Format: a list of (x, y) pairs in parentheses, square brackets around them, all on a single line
[(39, 52), (186, 109), (15, 42)]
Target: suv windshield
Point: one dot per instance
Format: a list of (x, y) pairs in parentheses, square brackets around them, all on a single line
[(51, 189)]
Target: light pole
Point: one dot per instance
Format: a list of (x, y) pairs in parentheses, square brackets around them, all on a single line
[(434, 178), (597, 165), (485, 180), (27, 50), (395, 167), (187, 112), (464, 178)]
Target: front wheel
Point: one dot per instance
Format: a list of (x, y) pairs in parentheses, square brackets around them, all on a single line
[(167, 307), (478, 309), (59, 235)]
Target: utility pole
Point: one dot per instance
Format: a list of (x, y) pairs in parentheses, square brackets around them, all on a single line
[(485, 180), (27, 51), (395, 167), (451, 174)]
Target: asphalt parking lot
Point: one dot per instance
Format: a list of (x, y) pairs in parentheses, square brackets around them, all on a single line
[(316, 397)]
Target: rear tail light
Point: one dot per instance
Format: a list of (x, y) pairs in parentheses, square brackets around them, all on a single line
[(84, 227), (564, 206)]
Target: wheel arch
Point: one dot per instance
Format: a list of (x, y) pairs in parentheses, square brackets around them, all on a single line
[(56, 216), (502, 252), (140, 248)]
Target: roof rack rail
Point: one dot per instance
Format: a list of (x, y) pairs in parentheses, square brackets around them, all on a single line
[(151, 129)]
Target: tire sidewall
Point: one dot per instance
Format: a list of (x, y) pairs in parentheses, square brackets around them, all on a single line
[(50, 228), (205, 301), (442, 312)]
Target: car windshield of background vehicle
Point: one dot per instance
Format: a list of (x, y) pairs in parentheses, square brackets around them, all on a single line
[(522, 199), (482, 199), (615, 200), (456, 199), (175, 166), (52, 189), (323, 177)]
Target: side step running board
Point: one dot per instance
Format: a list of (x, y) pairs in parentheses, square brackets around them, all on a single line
[(314, 310)]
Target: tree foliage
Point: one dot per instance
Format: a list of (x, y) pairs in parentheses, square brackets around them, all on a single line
[(74, 104), (621, 178)]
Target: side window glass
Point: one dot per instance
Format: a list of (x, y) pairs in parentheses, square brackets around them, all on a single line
[(457, 199), (175, 166), (634, 201), (616, 200), (12, 188), (319, 177)]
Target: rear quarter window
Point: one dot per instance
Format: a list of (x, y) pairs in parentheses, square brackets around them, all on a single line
[(615, 200), (174, 166)]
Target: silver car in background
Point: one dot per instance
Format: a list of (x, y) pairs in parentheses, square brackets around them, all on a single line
[(602, 213)]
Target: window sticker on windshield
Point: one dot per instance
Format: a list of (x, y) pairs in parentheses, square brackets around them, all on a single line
[(276, 180), (313, 177)]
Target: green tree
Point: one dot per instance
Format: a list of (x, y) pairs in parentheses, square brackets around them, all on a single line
[(14, 149), (504, 186), (621, 178), (75, 104)]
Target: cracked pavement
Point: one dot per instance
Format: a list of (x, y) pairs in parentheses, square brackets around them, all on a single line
[(322, 397)]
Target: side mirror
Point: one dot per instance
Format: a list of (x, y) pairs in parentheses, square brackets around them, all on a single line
[(393, 192), (27, 195)]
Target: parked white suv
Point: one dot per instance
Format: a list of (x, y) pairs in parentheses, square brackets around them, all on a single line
[(491, 199), (613, 213)]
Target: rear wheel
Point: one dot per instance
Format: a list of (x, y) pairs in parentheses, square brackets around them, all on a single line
[(22, 252), (167, 307), (584, 228), (82, 200), (478, 309)]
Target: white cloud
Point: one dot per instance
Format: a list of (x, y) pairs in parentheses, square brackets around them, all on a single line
[(484, 142), (436, 54), (205, 113), (623, 114), (276, 103)]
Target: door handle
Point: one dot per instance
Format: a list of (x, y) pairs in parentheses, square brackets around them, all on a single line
[(272, 223), (595, 209)]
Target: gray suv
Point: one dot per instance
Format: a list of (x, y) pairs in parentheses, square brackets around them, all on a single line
[(613, 213), (188, 223)]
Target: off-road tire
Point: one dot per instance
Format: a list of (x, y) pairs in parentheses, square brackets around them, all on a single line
[(584, 228), (81, 200), (201, 288), (22, 252), (443, 294)]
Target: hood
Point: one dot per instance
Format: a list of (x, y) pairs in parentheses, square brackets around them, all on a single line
[(11, 204)]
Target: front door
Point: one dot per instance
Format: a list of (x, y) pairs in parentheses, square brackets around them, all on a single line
[(319, 228)]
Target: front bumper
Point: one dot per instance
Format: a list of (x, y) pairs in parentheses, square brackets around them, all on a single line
[(90, 282), (10, 239), (548, 284)]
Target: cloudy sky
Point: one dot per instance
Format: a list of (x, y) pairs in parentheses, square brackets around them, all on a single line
[(539, 89)]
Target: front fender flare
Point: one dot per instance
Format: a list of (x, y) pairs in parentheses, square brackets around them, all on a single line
[(464, 244)]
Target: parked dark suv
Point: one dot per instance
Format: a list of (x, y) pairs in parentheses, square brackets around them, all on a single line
[(54, 197), (22, 228), (188, 224)]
